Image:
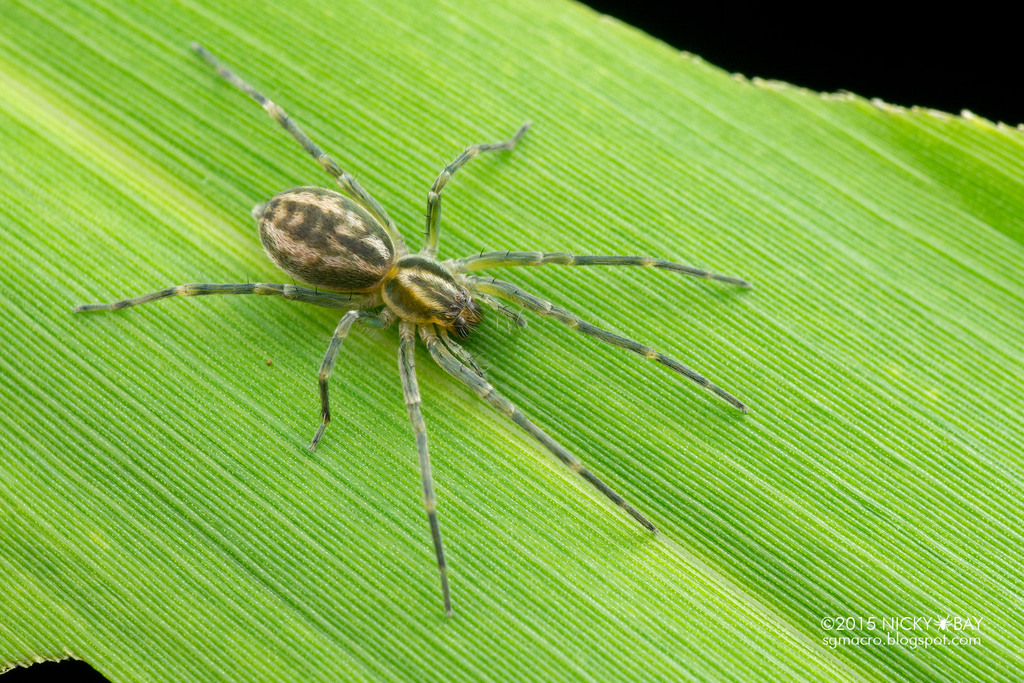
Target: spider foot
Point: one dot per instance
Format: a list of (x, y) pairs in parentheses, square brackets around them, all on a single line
[(319, 435)]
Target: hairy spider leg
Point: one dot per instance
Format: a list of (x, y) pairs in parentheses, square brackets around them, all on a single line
[(443, 357), (511, 292), (462, 354), (293, 292), (506, 259), (382, 319), (407, 367), (433, 233), (343, 178), (515, 316)]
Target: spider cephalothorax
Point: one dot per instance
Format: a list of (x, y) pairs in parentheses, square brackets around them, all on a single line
[(353, 254), (422, 290)]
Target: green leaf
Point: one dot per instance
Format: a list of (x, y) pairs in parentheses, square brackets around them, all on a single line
[(161, 518)]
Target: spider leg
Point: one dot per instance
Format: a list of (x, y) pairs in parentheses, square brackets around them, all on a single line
[(382, 319), (443, 357), (507, 290), (505, 259), (343, 178), (312, 296), (434, 196), (514, 316), (407, 367), (462, 354)]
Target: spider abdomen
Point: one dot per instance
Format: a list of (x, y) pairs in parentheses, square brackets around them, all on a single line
[(324, 238)]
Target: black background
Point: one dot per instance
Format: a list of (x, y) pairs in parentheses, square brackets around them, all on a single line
[(969, 58)]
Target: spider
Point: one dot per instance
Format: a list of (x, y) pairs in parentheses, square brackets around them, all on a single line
[(354, 255)]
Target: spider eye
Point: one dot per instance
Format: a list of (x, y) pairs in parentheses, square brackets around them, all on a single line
[(469, 316)]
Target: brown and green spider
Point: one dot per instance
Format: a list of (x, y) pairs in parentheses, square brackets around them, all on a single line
[(353, 254)]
